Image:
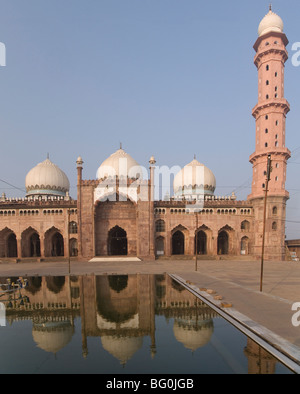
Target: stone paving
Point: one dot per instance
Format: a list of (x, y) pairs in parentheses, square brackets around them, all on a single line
[(236, 282)]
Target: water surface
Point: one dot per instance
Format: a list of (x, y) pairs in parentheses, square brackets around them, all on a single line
[(120, 324)]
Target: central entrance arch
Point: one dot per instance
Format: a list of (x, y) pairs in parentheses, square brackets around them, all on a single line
[(117, 242)]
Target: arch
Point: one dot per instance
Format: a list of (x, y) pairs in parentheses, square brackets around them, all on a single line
[(245, 245), (117, 242), (73, 227), (223, 242), (8, 243), (160, 246), (118, 282), (178, 242), (55, 283), (30, 243), (160, 226), (245, 225), (73, 247), (201, 242), (54, 243), (274, 226), (274, 210)]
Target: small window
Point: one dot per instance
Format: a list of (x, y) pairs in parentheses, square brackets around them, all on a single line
[(266, 131), (267, 67), (267, 96), (160, 226), (266, 117), (276, 123), (275, 88), (274, 210), (275, 95), (276, 74), (73, 228), (274, 226), (245, 225), (267, 82), (276, 178), (266, 144), (276, 136), (267, 43), (263, 185), (277, 165)]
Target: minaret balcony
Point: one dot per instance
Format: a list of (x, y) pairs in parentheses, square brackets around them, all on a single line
[(274, 102)]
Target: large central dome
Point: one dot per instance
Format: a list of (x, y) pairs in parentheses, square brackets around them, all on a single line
[(120, 164)]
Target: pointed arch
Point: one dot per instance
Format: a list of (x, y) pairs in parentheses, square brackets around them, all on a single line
[(8, 243), (223, 242), (200, 242), (73, 247), (54, 243), (117, 242), (30, 243), (160, 246), (179, 237), (160, 226), (245, 245), (245, 225)]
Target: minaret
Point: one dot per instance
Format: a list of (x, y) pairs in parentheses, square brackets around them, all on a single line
[(270, 117), (79, 163)]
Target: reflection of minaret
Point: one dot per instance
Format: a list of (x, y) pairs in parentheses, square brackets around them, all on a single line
[(259, 360), (152, 318)]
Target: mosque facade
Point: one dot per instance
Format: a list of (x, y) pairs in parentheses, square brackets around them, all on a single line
[(118, 214)]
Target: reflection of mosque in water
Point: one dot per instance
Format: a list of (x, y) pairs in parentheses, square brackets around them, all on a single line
[(121, 310)]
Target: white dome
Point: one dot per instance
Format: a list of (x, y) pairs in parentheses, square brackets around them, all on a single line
[(46, 178), (52, 337), (122, 348), (271, 22), (193, 338), (195, 178), (120, 164)]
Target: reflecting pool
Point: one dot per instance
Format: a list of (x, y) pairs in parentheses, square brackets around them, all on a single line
[(118, 324)]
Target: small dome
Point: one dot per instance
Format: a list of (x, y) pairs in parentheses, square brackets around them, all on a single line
[(194, 179), (52, 336), (46, 179), (120, 164), (271, 22)]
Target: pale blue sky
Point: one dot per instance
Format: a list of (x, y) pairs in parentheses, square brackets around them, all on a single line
[(169, 78)]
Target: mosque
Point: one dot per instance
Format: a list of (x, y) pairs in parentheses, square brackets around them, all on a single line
[(117, 214)]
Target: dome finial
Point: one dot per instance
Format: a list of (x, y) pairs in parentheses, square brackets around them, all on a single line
[(121, 145), (48, 155), (270, 7), (194, 156)]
